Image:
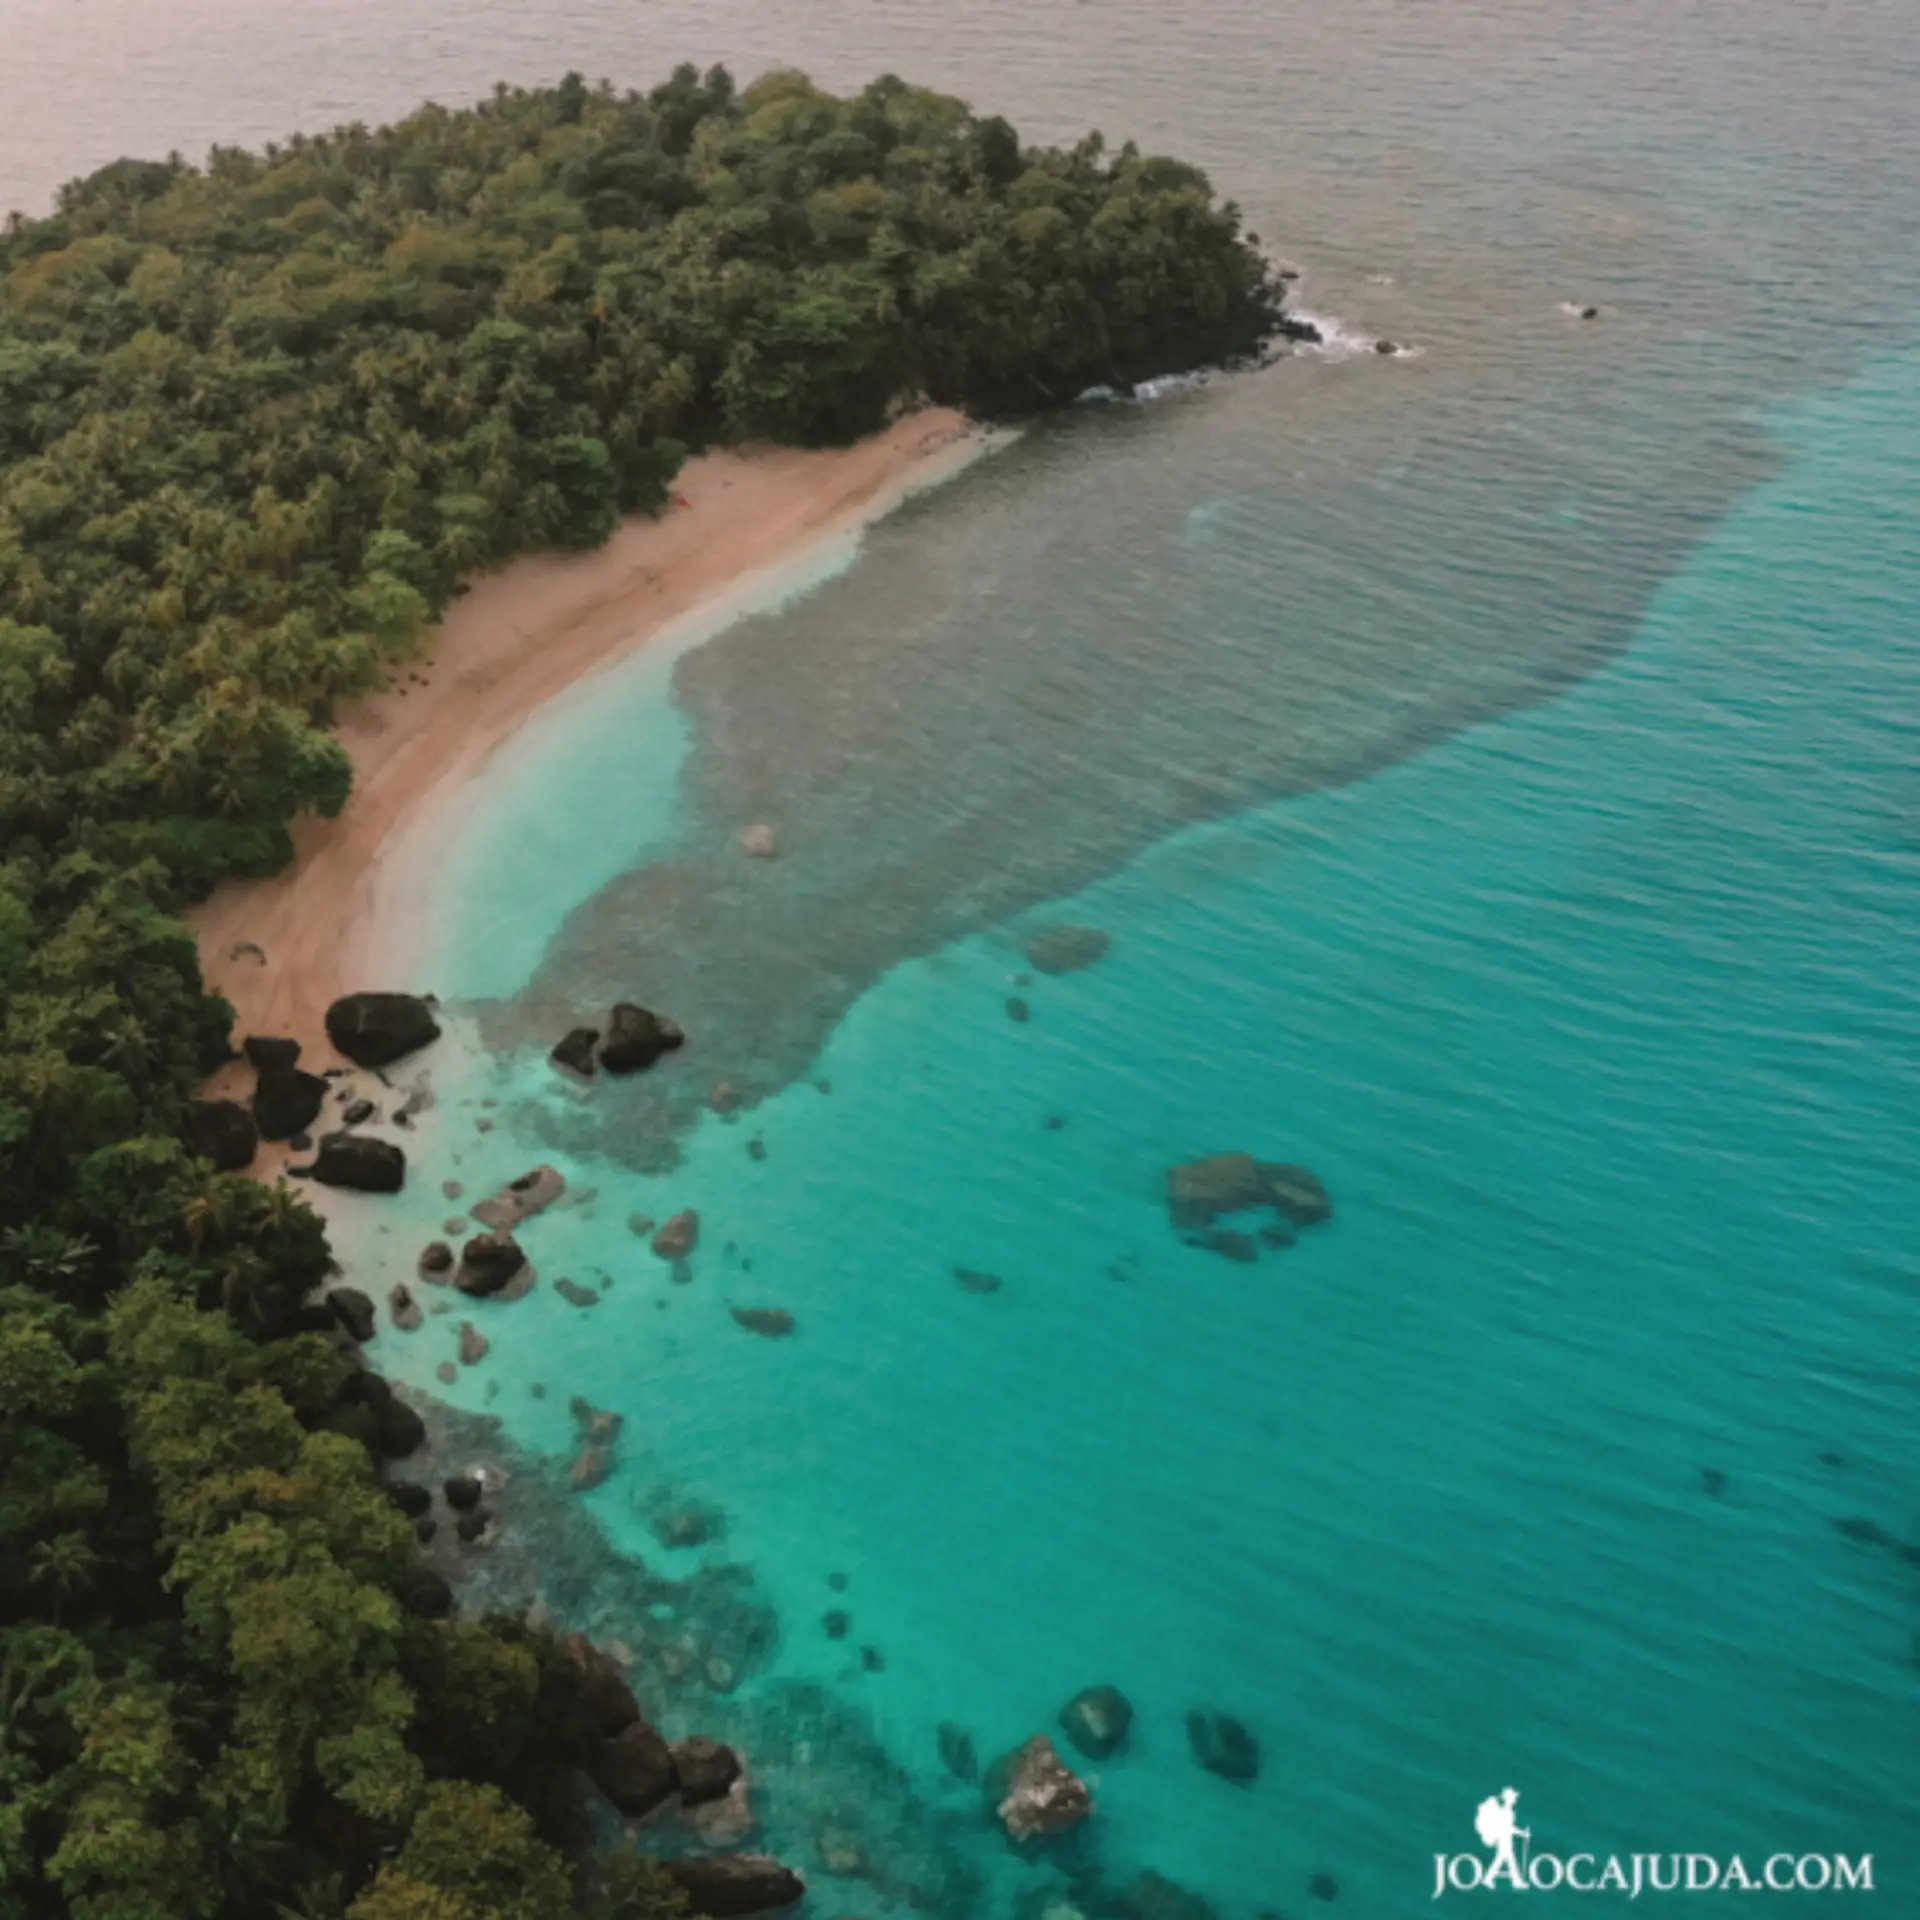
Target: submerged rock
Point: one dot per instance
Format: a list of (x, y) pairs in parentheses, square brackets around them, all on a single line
[(1323, 1886), (1096, 1721), (1199, 1191), (957, 1753), (1152, 1896), (404, 1308), (575, 1051), (757, 842), (598, 1425), (637, 1038), (366, 1165), (1297, 1192), (222, 1131), (728, 1885), (1230, 1245), (774, 1322), (375, 1029), (1066, 949), (521, 1199), (1034, 1793), (688, 1526), (975, 1281), (678, 1237), (574, 1295), (474, 1345), (591, 1466), (1018, 1011), (1223, 1745)]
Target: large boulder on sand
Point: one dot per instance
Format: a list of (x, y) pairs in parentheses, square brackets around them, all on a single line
[(634, 1770), (727, 1885), (636, 1039), (1223, 1745), (1064, 949), (287, 1101), (1035, 1794), (222, 1131), (1096, 1721), (375, 1029), (271, 1054), (358, 1161), (354, 1311), (521, 1199), (488, 1263)]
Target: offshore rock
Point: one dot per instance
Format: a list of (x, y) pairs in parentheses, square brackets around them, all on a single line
[(637, 1038), (521, 1199), (678, 1237), (957, 1752), (575, 1051), (1223, 1745), (634, 1770), (1065, 949), (287, 1101), (404, 1308), (222, 1131), (410, 1497), (1096, 1721), (463, 1492), (375, 1029), (1199, 1191), (1034, 1794), (474, 1345), (366, 1165), (706, 1770), (728, 1885), (436, 1261), (488, 1263), (774, 1322)]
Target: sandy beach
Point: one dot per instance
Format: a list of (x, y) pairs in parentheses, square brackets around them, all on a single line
[(282, 948)]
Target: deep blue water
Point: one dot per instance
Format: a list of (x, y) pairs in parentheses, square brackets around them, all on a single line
[(1495, 769)]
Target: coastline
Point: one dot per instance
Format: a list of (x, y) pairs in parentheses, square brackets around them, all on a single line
[(337, 917)]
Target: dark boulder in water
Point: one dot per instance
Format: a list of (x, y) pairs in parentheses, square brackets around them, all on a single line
[(1323, 1886), (574, 1294), (1096, 1720), (404, 1308), (354, 1311), (1152, 1896), (462, 1492), (474, 1345), (1713, 1483), (957, 1753), (1230, 1245), (287, 1101), (633, 1770), (705, 1769), (575, 1051), (376, 1029), (1223, 1745), (363, 1164), (637, 1038), (836, 1623), (436, 1257), (489, 1262), (684, 1527), (222, 1131), (1018, 1011), (590, 1468), (1066, 949), (775, 1322), (470, 1526), (270, 1054), (728, 1885)]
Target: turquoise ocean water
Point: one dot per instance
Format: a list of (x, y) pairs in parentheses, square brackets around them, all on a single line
[(1599, 1021), (1495, 767)]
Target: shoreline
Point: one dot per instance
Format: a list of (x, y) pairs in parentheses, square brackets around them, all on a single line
[(283, 947)]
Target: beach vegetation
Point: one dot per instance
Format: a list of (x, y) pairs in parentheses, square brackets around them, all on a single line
[(260, 418)]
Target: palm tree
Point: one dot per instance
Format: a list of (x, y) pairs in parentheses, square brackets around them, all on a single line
[(66, 1564)]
